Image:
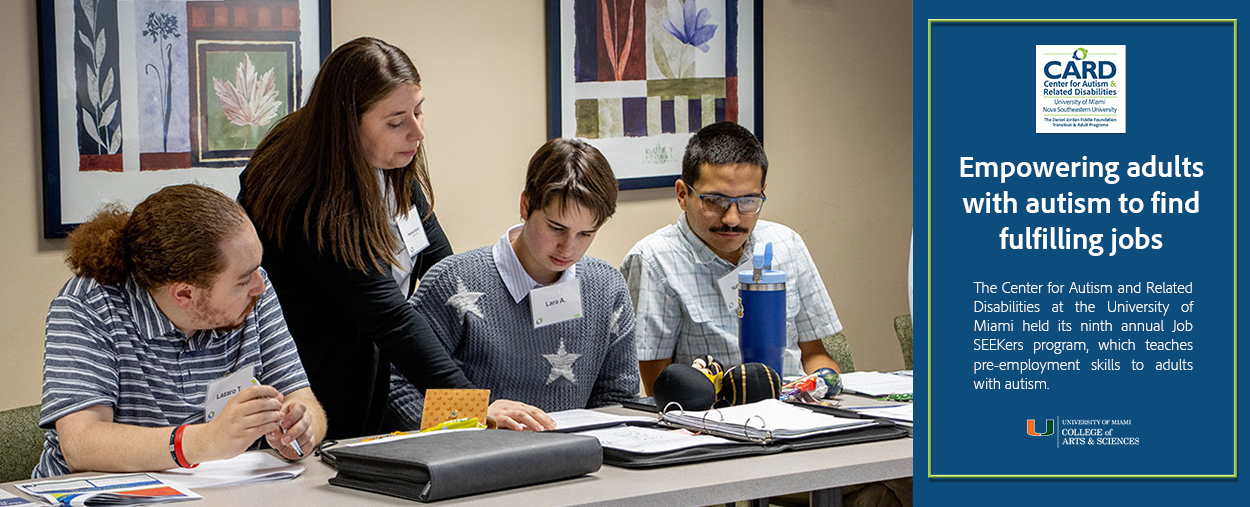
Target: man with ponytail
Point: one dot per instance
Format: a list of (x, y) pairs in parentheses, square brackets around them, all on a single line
[(164, 302)]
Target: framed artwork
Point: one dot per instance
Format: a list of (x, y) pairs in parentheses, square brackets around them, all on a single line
[(137, 95), (636, 78)]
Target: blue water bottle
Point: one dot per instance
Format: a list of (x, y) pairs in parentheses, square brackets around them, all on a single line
[(762, 310)]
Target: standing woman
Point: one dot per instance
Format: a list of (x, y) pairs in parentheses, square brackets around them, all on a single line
[(337, 192)]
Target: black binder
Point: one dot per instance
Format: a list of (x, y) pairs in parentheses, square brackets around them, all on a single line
[(883, 430), (458, 463)]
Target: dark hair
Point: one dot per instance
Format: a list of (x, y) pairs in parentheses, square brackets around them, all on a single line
[(174, 235), (312, 164), (722, 143), (564, 169)]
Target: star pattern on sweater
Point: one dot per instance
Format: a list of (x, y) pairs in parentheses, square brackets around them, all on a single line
[(465, 301), (614, 322), (561, 364)]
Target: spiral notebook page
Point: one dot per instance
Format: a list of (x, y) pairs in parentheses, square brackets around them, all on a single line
[(764, 419)]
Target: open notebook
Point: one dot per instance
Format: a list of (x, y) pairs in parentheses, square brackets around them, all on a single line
[(762, 421)]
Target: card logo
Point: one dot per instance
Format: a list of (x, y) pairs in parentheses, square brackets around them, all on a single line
[(1050, 428), (1080, 89), (1102, 69)]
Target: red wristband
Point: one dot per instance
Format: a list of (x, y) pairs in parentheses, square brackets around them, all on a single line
[(181, 458)]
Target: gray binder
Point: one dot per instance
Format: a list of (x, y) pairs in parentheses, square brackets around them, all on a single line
[(460, 463)]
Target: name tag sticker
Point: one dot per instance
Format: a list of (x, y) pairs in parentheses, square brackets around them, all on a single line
[(221, 390), (557, 303), (729, 285), (412, 231)]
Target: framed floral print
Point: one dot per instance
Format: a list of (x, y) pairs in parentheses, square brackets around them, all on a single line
[(636, 78), (141, 94)]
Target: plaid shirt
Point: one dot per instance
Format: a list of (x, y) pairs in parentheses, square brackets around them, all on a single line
[(112, 345), (672, 277)]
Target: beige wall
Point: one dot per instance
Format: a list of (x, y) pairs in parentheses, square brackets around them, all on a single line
[(837, 95)]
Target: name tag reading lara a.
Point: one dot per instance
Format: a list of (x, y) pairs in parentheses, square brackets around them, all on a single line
[(557, 303), (729, 285), (221, 390), (412, 231)]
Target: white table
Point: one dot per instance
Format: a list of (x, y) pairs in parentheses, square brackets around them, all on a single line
[(698, 484)]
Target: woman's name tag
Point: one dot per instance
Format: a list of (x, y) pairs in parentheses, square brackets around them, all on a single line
[(412, 231)]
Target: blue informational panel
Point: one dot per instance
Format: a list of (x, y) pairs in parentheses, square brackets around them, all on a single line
[(1078, 179), (1084, 276)]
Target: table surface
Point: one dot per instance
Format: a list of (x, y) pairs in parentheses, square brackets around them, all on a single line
[(697, 484)]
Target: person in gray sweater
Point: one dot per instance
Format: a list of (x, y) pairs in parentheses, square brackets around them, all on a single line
[(531, 318)]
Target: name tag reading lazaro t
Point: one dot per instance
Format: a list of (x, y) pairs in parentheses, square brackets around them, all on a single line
[(219, 392), (556, 303)]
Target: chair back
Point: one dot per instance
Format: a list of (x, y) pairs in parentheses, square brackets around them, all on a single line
[(902, 328), (21, 442), (840, 351)]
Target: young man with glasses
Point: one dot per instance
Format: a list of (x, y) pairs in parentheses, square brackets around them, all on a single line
[(674, 274)]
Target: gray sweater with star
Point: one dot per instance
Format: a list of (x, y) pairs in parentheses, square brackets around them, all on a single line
[(580, 363)]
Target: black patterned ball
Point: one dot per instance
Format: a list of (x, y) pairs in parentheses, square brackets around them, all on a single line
[(749, 383)]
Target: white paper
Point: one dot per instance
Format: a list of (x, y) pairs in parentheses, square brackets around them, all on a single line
[(875, 383), (7, 499), (582, 418), (897, 413), (650, 440), (245, 468), (115, 489)]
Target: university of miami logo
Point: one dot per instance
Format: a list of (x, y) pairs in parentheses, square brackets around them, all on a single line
[(1080, 54), (1050, 428)]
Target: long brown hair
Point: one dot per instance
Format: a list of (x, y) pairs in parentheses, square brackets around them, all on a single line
[(312, 163), (174, 235)]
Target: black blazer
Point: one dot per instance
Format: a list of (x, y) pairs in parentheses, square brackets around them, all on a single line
[(350, 326)]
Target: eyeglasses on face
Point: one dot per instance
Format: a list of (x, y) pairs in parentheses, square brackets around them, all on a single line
[(719, 204)]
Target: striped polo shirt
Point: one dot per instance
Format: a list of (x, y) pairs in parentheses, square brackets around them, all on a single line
[(111, 345)]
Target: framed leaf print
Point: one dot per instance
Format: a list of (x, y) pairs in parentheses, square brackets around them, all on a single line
[(140, 94)]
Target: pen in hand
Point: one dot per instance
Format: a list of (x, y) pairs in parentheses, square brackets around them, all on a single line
[(295, 441)]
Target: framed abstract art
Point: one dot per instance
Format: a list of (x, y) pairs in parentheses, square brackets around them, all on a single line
[(140, 94), (636, 78)]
